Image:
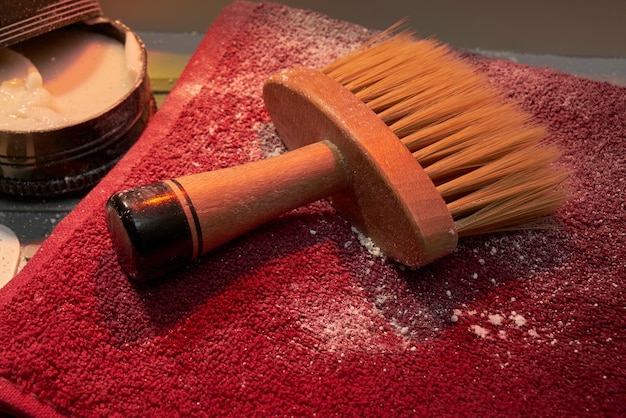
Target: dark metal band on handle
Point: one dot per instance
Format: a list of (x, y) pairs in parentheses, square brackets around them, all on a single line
[(146, 245)]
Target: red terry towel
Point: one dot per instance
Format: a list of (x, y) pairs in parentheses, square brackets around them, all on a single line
[(297, 317)]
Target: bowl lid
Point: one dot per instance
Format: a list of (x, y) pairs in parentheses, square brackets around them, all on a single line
[(25, 19)]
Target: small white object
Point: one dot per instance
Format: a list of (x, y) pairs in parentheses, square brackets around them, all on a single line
[(519, 320), (496, 319), (9, 254), (479, 331)]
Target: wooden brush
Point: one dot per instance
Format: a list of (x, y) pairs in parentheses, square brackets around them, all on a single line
[(403, 137)]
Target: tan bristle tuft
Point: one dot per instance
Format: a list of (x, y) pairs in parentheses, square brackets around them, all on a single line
[(485, 156)]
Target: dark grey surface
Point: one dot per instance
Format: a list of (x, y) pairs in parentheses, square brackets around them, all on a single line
[(32, 219)]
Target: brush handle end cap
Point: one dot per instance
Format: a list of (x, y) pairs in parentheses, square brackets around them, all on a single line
[(149, 231)]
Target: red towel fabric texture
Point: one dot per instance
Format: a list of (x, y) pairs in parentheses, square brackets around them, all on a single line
[(302, 316)]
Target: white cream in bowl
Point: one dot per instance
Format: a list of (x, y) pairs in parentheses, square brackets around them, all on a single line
[(63, 78)]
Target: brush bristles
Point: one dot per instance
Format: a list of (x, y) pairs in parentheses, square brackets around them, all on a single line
[(487, 159)]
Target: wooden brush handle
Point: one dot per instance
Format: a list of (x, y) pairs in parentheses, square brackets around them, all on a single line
[(161, 226), (340, 149)]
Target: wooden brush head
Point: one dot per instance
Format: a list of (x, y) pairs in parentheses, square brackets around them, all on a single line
[(488, 160), (386, 194)]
